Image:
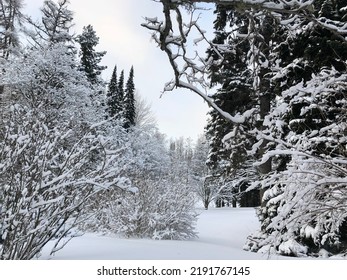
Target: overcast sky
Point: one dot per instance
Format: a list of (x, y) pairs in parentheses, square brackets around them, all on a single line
[(118, 24)]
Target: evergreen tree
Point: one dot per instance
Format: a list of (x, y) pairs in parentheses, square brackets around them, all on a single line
[(10, 19), (303, 209), (55, 25), (299, 88), (129, 101), (235, 95), (115, 96), (113, 102), (57, 21), (120, 86), (297, 55), (90, 58)]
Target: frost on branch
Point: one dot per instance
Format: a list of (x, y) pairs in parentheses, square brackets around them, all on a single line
[(160, 209)]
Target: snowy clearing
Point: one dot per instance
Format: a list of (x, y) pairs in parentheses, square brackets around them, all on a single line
[(222, 234)]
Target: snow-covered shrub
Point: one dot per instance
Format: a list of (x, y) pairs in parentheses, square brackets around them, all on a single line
[(161, 210), (158, 210), (45, 180), (163, 205), (49, 81)]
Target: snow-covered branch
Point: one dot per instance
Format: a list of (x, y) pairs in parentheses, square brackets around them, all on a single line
[(173, 36), (190, 69), (46, 180)]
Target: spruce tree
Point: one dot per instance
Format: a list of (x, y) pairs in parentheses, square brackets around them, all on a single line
[(303, 210), (129, 101), (235, 95), (90, 58), (297, 55), (120, 86), (114, 97)]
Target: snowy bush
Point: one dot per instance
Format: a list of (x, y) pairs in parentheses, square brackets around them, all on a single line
[(163, 206), (46, 177), (49, 81), (159, 210)]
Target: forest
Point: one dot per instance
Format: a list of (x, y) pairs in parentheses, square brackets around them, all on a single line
[(80, 154)]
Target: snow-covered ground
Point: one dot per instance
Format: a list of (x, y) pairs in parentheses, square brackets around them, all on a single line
[(222, 234)]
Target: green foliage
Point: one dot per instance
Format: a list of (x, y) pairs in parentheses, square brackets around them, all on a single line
[(309, 125), (235, 96), (120, 99), (90, 58), (129, 101)]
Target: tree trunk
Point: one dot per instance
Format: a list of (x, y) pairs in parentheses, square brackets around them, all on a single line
[(266, 167)]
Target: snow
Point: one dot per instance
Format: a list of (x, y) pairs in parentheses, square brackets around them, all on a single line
[(222, 234), (292, 247)]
